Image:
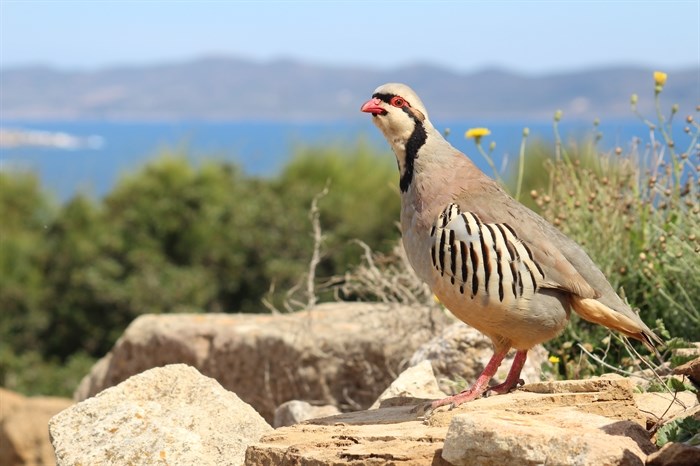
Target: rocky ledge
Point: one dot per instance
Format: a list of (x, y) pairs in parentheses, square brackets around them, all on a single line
[(588, 422), (174, 415)]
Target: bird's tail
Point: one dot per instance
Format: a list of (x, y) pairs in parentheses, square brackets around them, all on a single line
[(594, 311)]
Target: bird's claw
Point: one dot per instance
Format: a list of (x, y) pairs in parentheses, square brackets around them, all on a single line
[(425, 410), (502, 391)]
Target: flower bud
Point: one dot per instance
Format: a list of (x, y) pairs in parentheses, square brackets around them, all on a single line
[(660, 78)]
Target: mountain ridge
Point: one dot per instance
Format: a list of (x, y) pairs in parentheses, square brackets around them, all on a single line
[(233, 88)]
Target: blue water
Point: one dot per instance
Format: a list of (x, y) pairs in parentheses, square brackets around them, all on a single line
[(260, 148)]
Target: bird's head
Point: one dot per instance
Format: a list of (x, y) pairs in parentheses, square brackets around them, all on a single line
[(396, 110), (401, 116)]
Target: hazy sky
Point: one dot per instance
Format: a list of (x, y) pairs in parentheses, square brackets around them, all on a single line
[(527, 36)]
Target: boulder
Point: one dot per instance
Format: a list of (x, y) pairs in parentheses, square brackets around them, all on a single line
[(690, 369), (169, 415), (561, 437), (416, 382), (675, 454), (344, 354), (24, 435)]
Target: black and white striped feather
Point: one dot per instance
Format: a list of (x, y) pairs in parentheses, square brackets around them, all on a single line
[(484, 261)]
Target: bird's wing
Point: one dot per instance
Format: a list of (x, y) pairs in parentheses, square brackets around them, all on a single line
[(563, 263), (537, 238)]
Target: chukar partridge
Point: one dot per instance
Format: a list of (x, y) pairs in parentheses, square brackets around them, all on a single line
[(494, 263)]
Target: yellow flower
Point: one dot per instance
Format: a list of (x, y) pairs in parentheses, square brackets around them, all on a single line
[(660, 78), (476, 133), (554, 359)]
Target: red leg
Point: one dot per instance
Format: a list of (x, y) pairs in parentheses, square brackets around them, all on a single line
[(513, 378), (479, 386)]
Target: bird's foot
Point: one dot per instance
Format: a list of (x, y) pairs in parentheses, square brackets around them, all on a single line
[(505, 387), (425, 409)]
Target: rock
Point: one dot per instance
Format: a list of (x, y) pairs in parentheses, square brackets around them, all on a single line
[(612, 398), (344, 354), (24, 437), (400, 435), (690, 369), (675, 454), (563, 437), (168, 415), (415, 382), (657, 405), (462, 351), (322, 442), (692, 351), (296, 411)]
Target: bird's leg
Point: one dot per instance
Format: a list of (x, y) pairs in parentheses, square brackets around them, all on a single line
[(479, 386), (513, 378)]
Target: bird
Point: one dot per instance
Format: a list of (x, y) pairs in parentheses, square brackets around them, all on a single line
[(491, 261)]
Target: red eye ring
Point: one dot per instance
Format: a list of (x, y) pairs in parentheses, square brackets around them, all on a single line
[(397, 101)]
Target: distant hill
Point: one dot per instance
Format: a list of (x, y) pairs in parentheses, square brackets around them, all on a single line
[(230, 88)]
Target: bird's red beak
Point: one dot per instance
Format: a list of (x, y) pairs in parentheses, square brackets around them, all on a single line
[(373, 106)]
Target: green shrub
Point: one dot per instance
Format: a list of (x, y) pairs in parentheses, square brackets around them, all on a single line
[(171, 237)]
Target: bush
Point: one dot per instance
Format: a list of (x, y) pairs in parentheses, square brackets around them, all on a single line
[(171, 237)]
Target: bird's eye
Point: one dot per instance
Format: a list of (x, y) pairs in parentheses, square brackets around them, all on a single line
[(398, 102)]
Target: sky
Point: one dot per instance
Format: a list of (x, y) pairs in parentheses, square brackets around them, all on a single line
[(531, 37)]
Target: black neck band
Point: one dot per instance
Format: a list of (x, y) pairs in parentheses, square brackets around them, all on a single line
[(414, 143)]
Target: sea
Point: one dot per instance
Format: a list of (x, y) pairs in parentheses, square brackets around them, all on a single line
[(89, 157)]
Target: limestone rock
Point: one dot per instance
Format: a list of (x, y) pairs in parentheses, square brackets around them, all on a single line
[(415, 382), (24, 437), (462, 351), (564, 437), (612, 398), (296, 411), (401, 435), (169, 415), (344, 354), (675, 454), (657, 405), (406, 443), (690, 369)]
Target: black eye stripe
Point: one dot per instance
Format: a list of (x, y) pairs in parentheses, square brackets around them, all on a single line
[(384, 97)]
